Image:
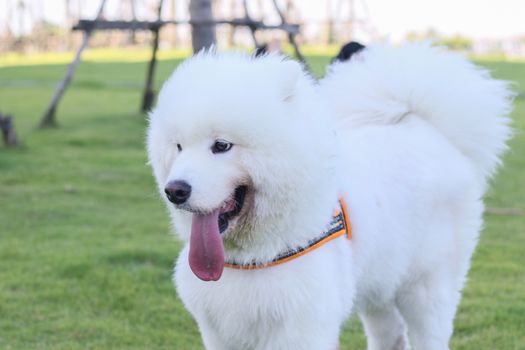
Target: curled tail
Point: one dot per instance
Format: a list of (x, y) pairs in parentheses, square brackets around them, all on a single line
[(383, 85)]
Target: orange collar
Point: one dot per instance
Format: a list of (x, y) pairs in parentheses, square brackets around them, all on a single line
[(339, 226)]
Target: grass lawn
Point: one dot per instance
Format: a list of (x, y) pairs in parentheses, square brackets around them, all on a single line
[(85, 250)]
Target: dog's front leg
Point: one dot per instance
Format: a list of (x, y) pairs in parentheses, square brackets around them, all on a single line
[(211, 338), (302, 334)]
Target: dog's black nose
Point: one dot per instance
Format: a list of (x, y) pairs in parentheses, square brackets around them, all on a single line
[(178, 191)]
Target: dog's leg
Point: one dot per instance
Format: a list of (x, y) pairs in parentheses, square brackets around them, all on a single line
[(210, 338), (428, 308), (385, 329), (428, 304), (298, 337)]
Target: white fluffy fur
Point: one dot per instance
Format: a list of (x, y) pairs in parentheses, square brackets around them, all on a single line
[(408, 136)]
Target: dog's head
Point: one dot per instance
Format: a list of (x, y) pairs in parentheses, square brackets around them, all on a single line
[(239, 147)]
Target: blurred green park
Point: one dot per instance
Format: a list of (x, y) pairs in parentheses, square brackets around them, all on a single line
[(86, 253)]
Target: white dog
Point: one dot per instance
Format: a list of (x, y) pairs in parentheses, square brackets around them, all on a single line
[(252, 156)]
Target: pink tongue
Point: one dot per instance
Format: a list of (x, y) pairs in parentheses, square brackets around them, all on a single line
[(206, 250)]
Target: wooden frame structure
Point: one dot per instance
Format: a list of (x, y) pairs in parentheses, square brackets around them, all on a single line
[(89, 26)]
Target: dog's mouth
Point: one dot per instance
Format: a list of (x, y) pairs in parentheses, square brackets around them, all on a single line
[(233, 207), (206, 255)]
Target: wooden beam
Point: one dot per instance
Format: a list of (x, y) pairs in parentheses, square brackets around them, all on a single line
[(149, 95), (90, 25), (48, 119)]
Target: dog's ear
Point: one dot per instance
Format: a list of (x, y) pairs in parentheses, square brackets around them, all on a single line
[(289, 74)]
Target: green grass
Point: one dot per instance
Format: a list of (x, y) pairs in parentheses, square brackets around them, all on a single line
[(85, 250)]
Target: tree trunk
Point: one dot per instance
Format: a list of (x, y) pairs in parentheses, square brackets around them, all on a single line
[(203, 30)]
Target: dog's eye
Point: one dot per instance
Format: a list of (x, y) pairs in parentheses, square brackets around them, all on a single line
[(221, 146), (179, 147)]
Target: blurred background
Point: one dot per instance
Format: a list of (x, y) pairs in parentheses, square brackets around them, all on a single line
[(86, 251), (483, 27)]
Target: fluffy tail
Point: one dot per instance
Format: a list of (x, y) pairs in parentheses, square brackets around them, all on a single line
[(383, 85)]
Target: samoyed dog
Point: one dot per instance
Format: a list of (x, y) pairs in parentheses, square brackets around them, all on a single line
[(301, 202)]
